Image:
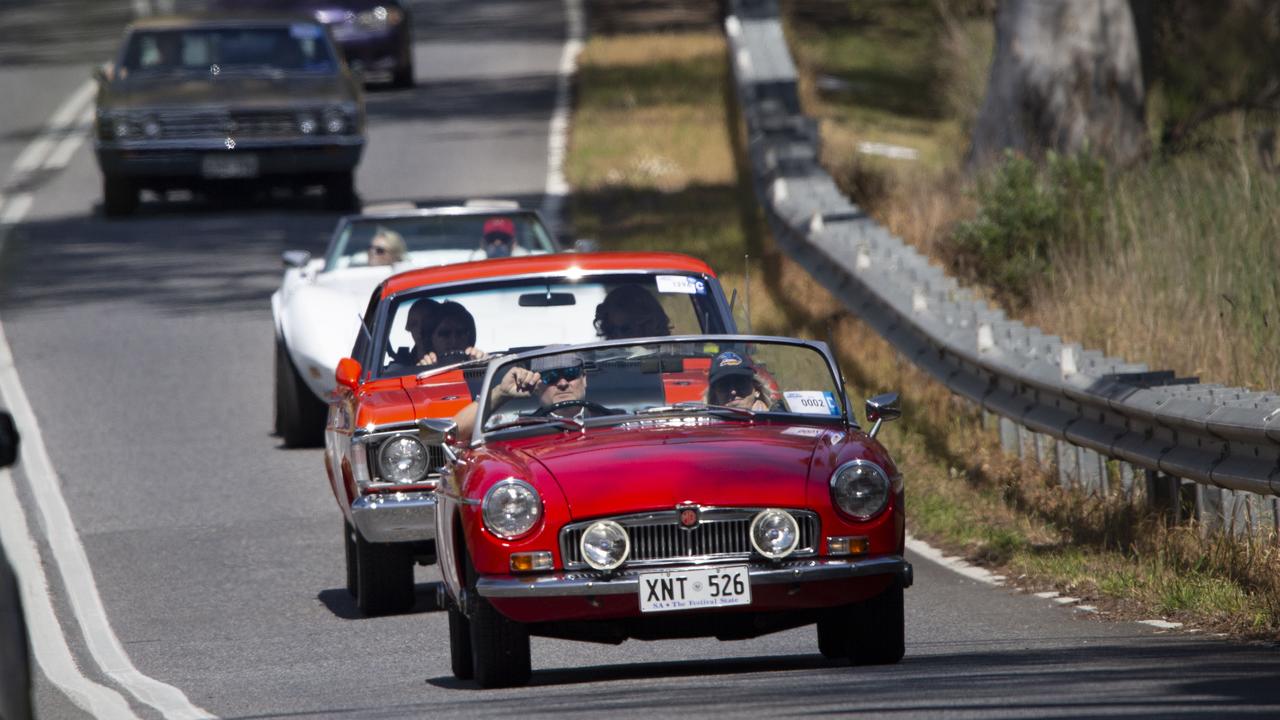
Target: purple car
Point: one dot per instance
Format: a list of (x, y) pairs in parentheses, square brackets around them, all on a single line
[(375, 35)]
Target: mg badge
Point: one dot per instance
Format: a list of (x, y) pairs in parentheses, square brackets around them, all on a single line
[(688, 516)]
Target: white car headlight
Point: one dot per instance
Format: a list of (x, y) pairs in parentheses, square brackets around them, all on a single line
[(511, 508), (774, 533), (335, 122), (860, 488), (307, 124), (379, 18), (403, 459), (605, 545)]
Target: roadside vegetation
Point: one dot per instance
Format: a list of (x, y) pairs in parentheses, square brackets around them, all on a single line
[(655, 160)]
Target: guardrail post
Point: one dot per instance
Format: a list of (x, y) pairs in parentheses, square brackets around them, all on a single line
[(1093, 471), (1164, 494), (1211, 505), (1008, 435), (1068, 464), (1127, 485)]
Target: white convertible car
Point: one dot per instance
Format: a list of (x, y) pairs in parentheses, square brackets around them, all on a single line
[(318, 307)]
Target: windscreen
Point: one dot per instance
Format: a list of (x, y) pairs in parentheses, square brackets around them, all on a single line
[(435, 328), (300, 47), (711, 376), (425, 240)]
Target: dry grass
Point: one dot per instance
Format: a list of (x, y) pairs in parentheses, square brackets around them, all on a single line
[(963, 493)]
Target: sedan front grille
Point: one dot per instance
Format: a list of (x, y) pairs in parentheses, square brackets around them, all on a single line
[(218, 124), (657, 538)]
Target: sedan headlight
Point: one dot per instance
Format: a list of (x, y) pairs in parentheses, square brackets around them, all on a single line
[(605, 545), (122, 128), (511, 508), (774, 533), (379, 18), (307, 124), (335, 122), (403, 459), (860, 489)]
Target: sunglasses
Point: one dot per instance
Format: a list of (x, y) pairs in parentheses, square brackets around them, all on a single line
[(379, 250), (741, 385), (551, 377), (495, 238)]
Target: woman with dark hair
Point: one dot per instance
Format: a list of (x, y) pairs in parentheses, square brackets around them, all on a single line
[(450, 334), (631, 311)]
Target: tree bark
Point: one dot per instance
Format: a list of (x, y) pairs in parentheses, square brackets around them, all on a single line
[(1067, 74)]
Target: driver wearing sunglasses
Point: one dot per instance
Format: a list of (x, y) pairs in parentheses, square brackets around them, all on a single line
[(558, 381), (386, 247), (733, 382)]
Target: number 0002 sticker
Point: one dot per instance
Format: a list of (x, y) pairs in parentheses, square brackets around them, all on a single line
[(680, 284), (811, 402)]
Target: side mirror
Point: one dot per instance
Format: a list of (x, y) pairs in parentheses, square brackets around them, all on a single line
[(8, 440), (348, 373), (584, 245), (102, 73), (439, 431), (882, 408), (295, 258)]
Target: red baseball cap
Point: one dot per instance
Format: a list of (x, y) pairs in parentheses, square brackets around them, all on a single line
[(499, 225)]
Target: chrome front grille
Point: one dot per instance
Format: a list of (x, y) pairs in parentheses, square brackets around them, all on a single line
[(219, 124), (658, 539)]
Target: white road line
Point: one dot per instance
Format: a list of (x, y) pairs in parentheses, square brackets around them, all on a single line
[(557, 141), (47, 641), (73, 562), (973, 572), (76, 136), (35, 153)]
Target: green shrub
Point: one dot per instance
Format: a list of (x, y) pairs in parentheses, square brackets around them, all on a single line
[(1027, 215)]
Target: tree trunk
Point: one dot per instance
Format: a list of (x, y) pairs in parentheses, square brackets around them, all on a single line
[(1066, 74)]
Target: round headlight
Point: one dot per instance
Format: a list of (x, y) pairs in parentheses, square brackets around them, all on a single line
[(307, 124), (511, 508), (605, 545), (860, 489), (403, 459), (122, 128), (774, 533), (151, 128), (334, 123)]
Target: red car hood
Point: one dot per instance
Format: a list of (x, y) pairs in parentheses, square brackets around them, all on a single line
[(623, 470)]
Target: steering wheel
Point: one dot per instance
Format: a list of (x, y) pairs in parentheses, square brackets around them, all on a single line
[(594, 408)]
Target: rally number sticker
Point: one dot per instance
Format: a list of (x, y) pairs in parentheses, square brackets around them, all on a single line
[(811, 402), (681, 284)]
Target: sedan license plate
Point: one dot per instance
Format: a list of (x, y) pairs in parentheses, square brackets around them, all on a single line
[(229, 166), (695, 589)]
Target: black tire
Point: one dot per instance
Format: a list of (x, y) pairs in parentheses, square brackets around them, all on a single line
[(460, 645), (402, 77), (833, 637), (384, 578), (349, 548), (119, 196), (300, 415), (500, 655), (340, 192), (878, 629)]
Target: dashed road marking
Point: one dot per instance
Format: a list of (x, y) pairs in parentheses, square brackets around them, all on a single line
[(557, 188)]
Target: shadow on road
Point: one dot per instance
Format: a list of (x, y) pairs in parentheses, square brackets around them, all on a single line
[(342, 605)]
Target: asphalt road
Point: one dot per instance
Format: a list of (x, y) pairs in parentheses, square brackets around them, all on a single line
[(145, 347)]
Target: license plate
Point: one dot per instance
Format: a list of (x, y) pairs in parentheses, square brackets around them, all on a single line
[(229, 166), (695, 589)]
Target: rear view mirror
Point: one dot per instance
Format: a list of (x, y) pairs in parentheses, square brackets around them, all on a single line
[(585, 245), (295, 258), (8, 440), (547, 299), (881, 409), (348, 373)]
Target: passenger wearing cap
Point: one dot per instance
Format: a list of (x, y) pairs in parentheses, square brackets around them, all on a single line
[(733, 381), (498, 240), (554, 379)]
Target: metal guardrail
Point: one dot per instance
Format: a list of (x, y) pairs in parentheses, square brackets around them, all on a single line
[(1065, 405)]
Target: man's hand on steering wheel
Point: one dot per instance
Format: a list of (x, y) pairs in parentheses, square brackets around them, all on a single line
[(453, 356), (593, 408)]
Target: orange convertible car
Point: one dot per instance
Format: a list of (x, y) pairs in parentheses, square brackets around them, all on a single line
[(425, 342)]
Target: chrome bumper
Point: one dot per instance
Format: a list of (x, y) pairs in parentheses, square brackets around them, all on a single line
[(585, 583), (396, 517)]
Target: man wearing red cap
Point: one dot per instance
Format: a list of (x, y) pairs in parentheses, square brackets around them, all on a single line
[(499, 238)]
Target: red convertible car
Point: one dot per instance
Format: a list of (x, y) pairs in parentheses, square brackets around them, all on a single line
[(421, 353), (667, 488)]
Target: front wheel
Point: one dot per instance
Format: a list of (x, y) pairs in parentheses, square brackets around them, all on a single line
[(384, 578), (500, 655), (877, 629), (300, 415), (460, 657), (119, 196)]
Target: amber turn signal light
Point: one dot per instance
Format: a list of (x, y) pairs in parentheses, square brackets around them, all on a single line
[(530, 561), (855, 545)]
